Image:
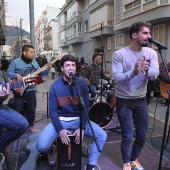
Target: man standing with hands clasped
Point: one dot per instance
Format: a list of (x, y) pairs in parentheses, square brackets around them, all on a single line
[(132, 67)]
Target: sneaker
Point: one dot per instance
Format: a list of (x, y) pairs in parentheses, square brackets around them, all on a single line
[(126, 166), (52, 156), (85, 168), (136, 165)]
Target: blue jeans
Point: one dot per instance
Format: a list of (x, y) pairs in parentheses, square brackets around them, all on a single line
[(30, 98), (92, 90), (132, 112), (15, 125), (49, 134)]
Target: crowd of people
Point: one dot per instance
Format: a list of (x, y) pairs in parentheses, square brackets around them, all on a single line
[(134, 68)]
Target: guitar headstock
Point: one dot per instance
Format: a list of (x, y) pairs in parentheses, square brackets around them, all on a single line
[(58, 57), (32, 81)]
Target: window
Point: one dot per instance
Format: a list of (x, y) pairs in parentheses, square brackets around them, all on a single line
[(109, 42), (74, 30), (132, 5), (79, 27), (86, 4), (119, 41), (158, 34), (86, 26)]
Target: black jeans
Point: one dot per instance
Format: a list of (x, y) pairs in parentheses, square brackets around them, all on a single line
[(30, 98), (132, 113)]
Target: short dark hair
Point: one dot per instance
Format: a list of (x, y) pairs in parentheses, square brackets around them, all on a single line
[(26, 47), (135, 27), (95, 55), (67, 57)]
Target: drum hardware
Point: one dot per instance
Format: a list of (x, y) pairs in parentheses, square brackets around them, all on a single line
[(114, 124)]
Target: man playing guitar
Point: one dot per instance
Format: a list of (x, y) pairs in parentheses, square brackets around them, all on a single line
[(16, 70)]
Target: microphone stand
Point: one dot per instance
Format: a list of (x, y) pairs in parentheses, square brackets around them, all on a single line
[(83, 108), (166, 116)]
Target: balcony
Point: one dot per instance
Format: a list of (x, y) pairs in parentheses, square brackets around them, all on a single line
[(46, 38), (63, 43), (47, 47), (74, 39), (44, 20), (74, 20), (95, 30), (63, 26), (154, 15)]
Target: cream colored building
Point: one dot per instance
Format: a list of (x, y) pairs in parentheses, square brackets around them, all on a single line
[(46, 33)]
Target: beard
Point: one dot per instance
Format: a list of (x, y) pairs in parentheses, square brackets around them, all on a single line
[(26, 60), (143, 44)]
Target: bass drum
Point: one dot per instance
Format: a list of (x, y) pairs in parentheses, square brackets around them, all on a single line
[(101, 114)]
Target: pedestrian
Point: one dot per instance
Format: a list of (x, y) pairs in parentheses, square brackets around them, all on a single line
[(4, 67), (52, 72), (17, 69), (132, 67), (65, 111)]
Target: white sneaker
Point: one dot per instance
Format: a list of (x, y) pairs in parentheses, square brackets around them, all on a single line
[(85, 168)]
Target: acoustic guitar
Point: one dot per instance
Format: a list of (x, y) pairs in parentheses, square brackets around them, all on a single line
[(5, 87), (163, 89), (20, 91)]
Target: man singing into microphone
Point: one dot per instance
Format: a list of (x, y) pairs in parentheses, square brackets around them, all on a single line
[(131, 72), (64, 112)]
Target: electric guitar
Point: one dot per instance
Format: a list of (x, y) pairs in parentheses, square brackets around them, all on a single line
[(5, 87), (20, 91)]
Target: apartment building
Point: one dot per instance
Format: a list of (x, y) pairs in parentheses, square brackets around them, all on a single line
[(86, 26), (157, 12), (46, 33)]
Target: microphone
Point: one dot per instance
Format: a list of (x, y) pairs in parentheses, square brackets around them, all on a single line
[(158, 44), (71, 73)]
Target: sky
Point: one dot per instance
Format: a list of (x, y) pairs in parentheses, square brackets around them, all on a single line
[(17, 9)]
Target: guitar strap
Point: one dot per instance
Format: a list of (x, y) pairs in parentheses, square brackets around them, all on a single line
[(32, 63)]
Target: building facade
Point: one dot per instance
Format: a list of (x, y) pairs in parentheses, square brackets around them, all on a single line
[(90, 26), (47, 33)]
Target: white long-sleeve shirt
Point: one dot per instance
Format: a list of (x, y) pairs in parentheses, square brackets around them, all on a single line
[(129, 85)]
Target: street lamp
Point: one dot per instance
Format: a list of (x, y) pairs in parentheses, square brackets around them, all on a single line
[(21, 32)]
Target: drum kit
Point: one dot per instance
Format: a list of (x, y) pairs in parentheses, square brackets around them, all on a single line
[(102, 107)]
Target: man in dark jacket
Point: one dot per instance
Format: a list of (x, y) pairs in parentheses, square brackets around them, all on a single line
[(4, 67)]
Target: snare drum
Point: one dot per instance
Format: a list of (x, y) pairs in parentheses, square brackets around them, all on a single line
[(101, 113)]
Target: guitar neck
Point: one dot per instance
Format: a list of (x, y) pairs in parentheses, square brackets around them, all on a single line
[(45, 66), (39, 71), (17, 84)]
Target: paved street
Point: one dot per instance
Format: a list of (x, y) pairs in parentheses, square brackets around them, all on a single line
[(111, 160)]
